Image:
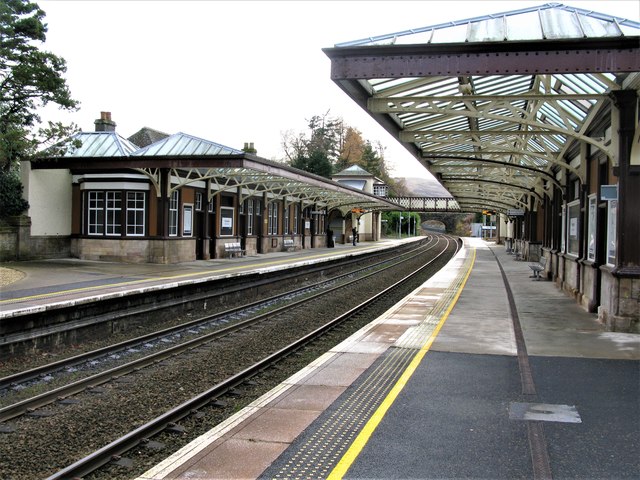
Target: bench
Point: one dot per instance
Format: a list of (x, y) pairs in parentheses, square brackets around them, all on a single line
[(538, 268), (234, 249), (288, 244)]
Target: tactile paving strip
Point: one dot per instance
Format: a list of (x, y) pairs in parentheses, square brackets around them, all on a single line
[(334, 432)]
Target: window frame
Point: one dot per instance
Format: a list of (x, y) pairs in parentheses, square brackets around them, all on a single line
[(250, 218), (174, 217), (272, 218), (285, 220), (573, 228), (95, 213), (113, 215), (227, 214), (138, 227)]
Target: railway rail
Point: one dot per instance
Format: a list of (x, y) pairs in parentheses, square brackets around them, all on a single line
[(145, 308), (193, 405), (166, 338)]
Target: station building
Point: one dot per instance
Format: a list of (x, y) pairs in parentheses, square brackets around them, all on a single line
[(162, 198), (367, 222), (530, 113)]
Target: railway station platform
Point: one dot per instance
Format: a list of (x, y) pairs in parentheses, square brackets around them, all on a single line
[(456, 381), (50, 284)]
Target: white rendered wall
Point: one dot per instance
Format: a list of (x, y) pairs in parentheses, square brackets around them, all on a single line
[(49, 195)]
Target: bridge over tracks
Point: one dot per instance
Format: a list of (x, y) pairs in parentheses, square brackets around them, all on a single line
[(427, 204)]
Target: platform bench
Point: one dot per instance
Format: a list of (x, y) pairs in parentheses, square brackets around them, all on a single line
[(234, 249), (538, 268), (288, 244)]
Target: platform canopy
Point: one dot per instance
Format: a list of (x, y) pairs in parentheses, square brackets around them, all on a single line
[(492, 105), (186, 159)]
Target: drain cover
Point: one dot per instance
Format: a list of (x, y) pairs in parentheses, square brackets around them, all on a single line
[(544, 412)]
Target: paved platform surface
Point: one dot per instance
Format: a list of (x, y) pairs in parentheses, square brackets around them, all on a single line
[(54, 283), (434, 389)]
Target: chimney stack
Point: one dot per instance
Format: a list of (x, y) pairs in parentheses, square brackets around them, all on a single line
[(104, 123), (249, 148)]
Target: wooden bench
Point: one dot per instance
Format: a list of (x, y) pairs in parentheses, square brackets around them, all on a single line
[(538, 268), (234, 249), (288, 244)]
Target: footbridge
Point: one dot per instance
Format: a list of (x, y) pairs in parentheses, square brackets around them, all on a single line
[(426, 204)]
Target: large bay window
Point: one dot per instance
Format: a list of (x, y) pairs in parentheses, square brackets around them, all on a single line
[(105, 212)]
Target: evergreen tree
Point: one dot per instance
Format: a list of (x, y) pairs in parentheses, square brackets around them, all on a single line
[(11, 201), (30, 78), (315, 162), (372, 161)]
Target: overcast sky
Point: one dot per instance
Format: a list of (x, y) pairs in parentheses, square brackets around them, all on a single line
[(236, 71)]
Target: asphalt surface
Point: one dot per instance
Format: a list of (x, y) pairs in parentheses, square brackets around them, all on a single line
[(464, 413)]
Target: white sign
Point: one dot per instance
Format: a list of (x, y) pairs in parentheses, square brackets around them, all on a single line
[(515, 212), (227, 222)]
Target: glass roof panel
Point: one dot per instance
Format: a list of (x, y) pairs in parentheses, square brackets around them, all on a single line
[(491, 30), (525, 26), (550, 20), (560, 24)]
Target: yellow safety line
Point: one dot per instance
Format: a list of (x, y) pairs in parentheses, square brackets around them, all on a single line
[(160, 279), (365, 434)]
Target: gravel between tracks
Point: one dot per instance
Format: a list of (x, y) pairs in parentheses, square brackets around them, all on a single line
[(43, 445)]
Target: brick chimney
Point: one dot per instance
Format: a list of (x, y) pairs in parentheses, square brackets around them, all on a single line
[(104, 123), (249, 148)]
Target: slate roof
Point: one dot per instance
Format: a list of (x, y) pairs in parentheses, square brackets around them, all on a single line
[(146, 136)]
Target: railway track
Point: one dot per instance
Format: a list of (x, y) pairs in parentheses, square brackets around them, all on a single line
[(161, 306), (243, 335), (171, 341)]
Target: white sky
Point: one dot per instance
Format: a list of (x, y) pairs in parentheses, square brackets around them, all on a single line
[(237, 71)]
